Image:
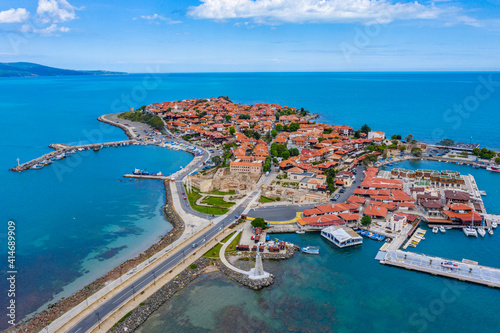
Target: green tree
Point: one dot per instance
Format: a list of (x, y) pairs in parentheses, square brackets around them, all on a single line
[(402, 147), (259, 222), (244, 116), (285, 155), (293, 127), (369, 159), (409, 138), (365, 129), (446, 142), (274, 133), (396, 137), (279, 127), (357, 134), (256, 135), (216, 160), (417, 152), (366, 220), (497, 160), (232, 130), (294, 152), (248, 133), (227, 117)]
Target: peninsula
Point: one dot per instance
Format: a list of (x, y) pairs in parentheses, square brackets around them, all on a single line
[(265, 169), (23, 69)]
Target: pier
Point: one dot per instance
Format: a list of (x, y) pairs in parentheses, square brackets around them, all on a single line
[(62, 148), (464, 270)]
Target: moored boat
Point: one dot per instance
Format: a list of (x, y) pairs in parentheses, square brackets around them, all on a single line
[(469, 231), (490, 231), (310, 250), (442, 229), (494, 225), (36, 166), (435, 230), (481, 232), (139, 172), (300, 232), (494, 168)]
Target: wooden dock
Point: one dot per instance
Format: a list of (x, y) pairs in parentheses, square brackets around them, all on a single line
[(465, 270), (62, 148)]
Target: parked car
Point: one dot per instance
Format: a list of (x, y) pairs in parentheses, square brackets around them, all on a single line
[(342, 190)]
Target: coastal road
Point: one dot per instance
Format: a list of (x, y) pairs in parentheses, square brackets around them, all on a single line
[(167, 264)]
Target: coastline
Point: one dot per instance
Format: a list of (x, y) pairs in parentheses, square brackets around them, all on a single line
[(37, 321)]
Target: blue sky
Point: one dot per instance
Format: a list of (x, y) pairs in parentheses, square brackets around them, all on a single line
[(252, 35)]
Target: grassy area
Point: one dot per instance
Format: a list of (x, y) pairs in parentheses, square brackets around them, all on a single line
[(194, 195), (214, 252), (264, 199), (217, 192), (217, 201)]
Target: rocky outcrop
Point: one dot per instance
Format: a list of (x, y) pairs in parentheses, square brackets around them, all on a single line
[(131, 321), (243, 279)]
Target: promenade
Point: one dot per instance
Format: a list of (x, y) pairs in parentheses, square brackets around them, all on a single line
[(461, 270)]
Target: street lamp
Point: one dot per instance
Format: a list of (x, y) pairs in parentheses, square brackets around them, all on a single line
[(98, 320)]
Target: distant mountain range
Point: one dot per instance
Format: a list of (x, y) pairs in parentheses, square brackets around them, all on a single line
[(19, 69)]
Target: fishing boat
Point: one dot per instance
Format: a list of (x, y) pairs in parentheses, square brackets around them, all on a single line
[(494, 168), (159, 174), (59, 157), (490, 231), (36, 166), (47, 162), (442, 229), (435, 230), (310, 250), (481, 232), (140, 172), (469, 231), (494, 225), (300, 232), (475, 165)]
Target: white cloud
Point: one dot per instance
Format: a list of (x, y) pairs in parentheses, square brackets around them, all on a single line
[(155, 17), (14, 15), (321, 11), (55, 11), (51, 30)]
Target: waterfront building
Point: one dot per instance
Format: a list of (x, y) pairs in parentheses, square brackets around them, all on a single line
[(342, 236)]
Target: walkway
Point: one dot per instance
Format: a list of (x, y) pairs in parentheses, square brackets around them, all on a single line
[(462, 271), (223, 256)]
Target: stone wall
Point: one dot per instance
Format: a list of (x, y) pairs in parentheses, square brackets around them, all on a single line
[(243, 279), (141, 313)]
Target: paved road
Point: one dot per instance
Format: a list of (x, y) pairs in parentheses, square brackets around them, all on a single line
[(170, 262), (288, 212)]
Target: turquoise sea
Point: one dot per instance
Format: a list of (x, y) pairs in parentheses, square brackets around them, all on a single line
[(75, 220)]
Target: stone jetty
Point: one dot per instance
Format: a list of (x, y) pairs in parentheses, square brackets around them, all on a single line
[(63, 148)]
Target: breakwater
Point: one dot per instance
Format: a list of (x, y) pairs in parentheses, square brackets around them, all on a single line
[(140, 314), (244, 279), (127, 130), (63, 149), (54, 311)]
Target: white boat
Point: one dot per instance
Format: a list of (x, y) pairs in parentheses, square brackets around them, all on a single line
[(310, 250), (490, 231), (442, 229), (435, 230), (469, 231), (494, 168), (36, 166), (494, 225), (481, 232), (300, 232)]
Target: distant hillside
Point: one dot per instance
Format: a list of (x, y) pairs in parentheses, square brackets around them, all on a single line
[(13, 69)]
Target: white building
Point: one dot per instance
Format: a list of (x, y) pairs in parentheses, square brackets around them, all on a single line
[(376, 135), (341, 236)]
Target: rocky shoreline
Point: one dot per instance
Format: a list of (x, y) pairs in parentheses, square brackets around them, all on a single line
[(243, 279), (131, 321), (54, 311)]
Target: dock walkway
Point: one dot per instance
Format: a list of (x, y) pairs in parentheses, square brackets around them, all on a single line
[(65, 149), (464, 270)]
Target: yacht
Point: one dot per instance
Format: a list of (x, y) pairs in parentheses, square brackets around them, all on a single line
[(490, 231), (494, 225), (310, 250), (442, 229), (36, 166), (435, 230), (481, 232), (494, 168), (469, 231), (300, 232)]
